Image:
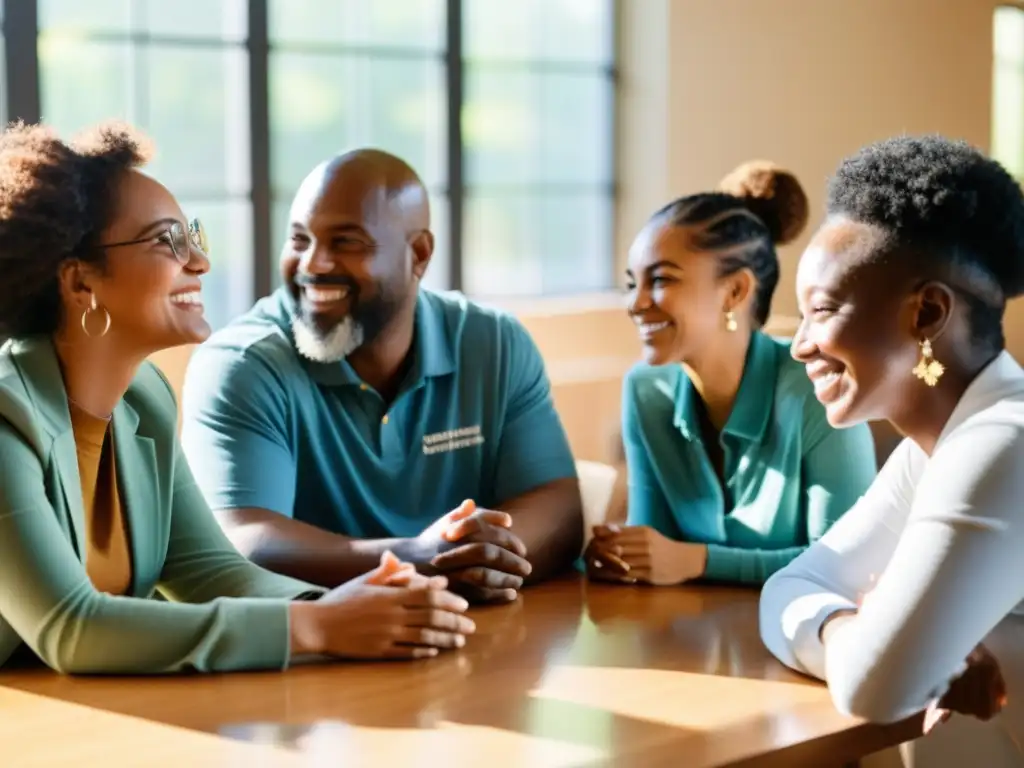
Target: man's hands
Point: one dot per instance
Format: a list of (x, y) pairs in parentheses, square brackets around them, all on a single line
[(392, 612), (477, 552), (631, 554)]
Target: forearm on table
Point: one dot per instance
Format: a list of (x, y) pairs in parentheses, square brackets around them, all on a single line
[(549, 521), (747, 566), (303, 551), (793, 610)]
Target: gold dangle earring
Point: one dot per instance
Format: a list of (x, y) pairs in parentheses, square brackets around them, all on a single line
[(730, 321), (94, 306), (928, 369)]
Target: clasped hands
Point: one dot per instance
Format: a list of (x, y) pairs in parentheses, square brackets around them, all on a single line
[(413, 605), (638, 553), (476, 550)]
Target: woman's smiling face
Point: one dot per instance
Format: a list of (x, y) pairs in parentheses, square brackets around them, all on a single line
[(856, 333)]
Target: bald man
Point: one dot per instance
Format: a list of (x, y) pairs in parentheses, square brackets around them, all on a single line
[(353, 411)]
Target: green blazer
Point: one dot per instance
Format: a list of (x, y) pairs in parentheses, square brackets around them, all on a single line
[(224, 612)]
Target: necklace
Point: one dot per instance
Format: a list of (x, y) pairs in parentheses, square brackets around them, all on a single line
[(82, 408)]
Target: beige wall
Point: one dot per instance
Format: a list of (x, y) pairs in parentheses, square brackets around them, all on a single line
[(708, 84)]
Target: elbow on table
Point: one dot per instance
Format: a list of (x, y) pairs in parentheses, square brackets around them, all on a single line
[(770, 626), (868, 698)]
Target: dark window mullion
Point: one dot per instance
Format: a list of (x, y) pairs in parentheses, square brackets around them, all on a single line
[(142, 36), (21, 32), (259, 142), (456, 184)]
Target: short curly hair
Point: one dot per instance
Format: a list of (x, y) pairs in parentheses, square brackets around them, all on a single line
[(946, 204), (55, 200)]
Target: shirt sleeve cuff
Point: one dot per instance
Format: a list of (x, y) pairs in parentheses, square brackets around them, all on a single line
[(722, 563), (802, 622)]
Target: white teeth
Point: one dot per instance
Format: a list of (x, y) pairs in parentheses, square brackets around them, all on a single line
[(824, 382), (651, 327), (192, 297), (316, 294)]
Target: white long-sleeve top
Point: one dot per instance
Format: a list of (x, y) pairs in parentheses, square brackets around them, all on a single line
[(939, 543)]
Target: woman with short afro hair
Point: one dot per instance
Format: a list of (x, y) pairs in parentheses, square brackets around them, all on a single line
[(902, 293), (98, 508)]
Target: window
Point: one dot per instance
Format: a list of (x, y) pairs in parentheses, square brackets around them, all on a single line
[(538, 146), (1008, 89), (349, 74), (179, 73), (505, 110)]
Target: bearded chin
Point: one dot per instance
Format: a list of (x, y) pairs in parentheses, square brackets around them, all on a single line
[(327, 347)]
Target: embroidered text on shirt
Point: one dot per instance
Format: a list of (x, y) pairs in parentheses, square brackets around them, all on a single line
[(452, 440)]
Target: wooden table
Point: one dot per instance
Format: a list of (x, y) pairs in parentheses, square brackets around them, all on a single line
[(572, 674)]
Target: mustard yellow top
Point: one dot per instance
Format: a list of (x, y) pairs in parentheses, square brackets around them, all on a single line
[(107, 559)]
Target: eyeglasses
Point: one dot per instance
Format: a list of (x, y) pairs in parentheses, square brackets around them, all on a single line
[(180, 241)]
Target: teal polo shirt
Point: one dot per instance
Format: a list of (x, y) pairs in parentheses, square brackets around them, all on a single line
[(789, 475), (264, 427)]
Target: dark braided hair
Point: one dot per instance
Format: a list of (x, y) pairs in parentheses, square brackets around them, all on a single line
[(55, 200), (950, 208), (757, 207)]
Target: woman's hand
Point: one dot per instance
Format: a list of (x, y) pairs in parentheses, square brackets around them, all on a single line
[(392, 612), (639, 553), (980, 691)]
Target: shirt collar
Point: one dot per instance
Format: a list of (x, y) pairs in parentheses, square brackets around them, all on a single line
[(1000, 379), (432, 345), (754, 399)]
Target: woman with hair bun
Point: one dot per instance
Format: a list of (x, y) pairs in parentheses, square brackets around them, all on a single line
[(98, 508), (733, 467)]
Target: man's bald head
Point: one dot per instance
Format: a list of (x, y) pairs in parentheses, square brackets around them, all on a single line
[(360, 224), (383, 182)]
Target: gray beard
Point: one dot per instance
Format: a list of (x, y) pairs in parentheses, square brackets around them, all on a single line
[(330, 347)]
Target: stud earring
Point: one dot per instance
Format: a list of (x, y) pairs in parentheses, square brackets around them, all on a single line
[(730, 321), (928, 369), (94, 306)]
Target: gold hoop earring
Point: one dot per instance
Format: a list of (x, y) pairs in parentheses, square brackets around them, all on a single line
[(730, 321), (94, 306), (928, 369)]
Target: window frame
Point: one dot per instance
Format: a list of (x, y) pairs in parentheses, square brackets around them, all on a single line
[(23, 102)]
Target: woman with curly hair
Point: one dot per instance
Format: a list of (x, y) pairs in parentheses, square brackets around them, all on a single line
[(98, 509), (733, 468), (903, 291)]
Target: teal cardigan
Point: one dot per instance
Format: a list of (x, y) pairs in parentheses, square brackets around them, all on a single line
[(789, 474), (225, 612)]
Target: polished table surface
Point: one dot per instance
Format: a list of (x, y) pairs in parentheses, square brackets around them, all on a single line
[(571, 674)]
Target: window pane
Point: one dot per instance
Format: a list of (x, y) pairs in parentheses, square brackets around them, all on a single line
[(539, 30), (1008, 116), (436, 277), (409, 24), (1009, 34), (83, 83), (227, 288), (279, 231), (537, 127), (219, 19), (78, 15), (538, 243), (198, 115), (437, 273), (321, 105)]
